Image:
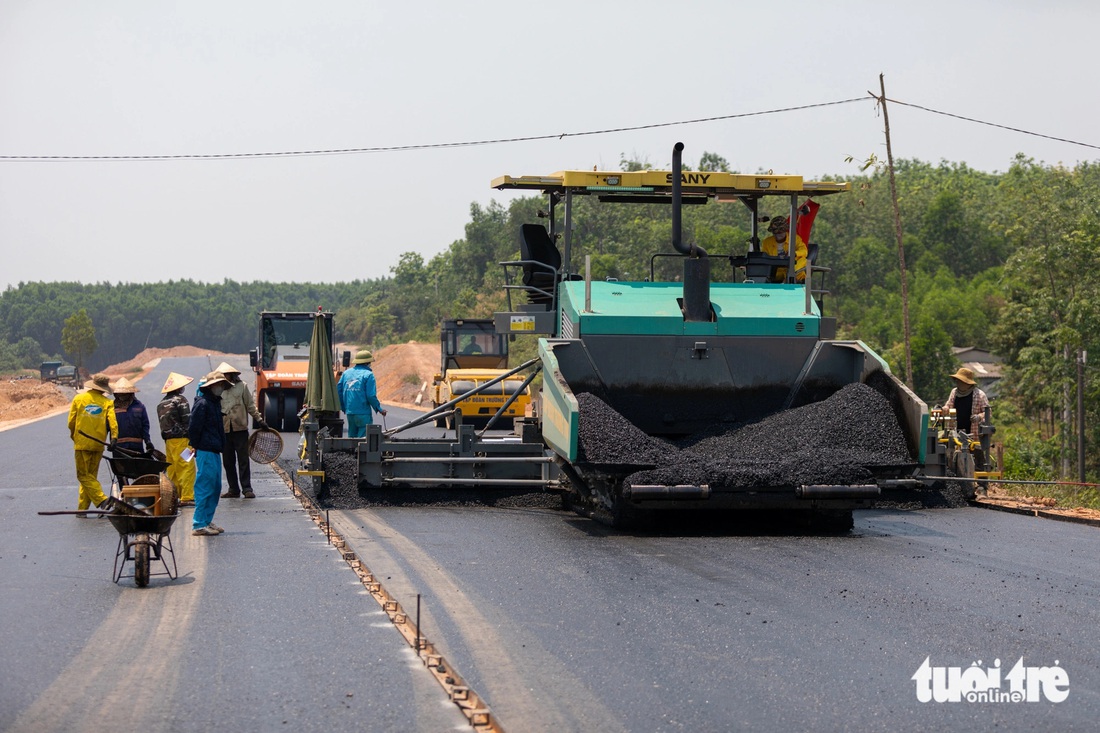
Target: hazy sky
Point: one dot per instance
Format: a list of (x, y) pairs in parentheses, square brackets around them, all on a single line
[(141, 77)]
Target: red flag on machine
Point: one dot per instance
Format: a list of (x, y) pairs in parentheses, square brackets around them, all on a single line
[(806, 214)]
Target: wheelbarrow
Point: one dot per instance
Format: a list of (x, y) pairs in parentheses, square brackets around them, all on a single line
[(144, 535), (142, 538), (142, 507)]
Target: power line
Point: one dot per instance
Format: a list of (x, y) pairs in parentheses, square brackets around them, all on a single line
[(406, 148), (526, 138), (991, 124)]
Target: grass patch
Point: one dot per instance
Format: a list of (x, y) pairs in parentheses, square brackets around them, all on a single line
[(1068, 497)]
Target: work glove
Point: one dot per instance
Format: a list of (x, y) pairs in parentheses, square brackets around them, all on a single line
[(112, 445), (149, 448), (263, 425)]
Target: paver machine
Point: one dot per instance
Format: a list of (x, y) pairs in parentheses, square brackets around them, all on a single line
[(724, 340)]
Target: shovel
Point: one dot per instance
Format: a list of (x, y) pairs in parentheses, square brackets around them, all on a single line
[(115, 449)]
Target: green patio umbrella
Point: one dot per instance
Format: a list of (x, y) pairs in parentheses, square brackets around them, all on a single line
[(320, 382)]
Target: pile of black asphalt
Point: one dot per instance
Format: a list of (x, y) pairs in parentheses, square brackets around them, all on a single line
[(829, 442), (841, 440)]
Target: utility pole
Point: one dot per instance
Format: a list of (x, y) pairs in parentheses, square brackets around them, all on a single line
[(1067, 419), (1082, 355), (897, 231)]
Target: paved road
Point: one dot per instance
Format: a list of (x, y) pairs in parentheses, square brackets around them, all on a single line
[(564, 625), (558, 622), (266, 628)]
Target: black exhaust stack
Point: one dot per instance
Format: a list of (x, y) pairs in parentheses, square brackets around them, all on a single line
[(696, 304)]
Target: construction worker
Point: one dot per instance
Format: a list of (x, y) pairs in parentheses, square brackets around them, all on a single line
[(237, 405), (206, 434), (970, 403), (776, 245), (91, 421), (133, 419), (359, 394), (174, 414)]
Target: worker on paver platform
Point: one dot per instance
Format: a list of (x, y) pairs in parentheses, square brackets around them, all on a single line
[(133, 418), (359, 394), (970, 403), (174, 413), (776, 245), (93, 413), (237, 405)]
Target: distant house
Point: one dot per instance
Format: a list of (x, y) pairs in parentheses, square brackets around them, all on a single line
[(985, 364)]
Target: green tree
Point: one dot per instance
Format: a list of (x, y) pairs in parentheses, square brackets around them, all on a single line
[(713, 162), (28, 352), (9, 361), (78, 337), (636, 163), (933, 360), (1051, 288)]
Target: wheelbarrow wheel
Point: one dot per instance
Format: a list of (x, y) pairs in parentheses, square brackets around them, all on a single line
[(141, 560)]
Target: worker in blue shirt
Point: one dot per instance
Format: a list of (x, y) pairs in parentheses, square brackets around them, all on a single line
[(359, 394)]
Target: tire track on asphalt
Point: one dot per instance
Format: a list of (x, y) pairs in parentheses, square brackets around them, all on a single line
[(130, 666), (569, 706)]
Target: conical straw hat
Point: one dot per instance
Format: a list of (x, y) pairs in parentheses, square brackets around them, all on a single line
[(175, 381)]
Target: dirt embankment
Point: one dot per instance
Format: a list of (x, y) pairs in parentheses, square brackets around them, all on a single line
[(402, 369), (147, 359), (27, 399)]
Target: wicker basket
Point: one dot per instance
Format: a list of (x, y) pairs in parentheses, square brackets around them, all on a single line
[(169, 501), (264, 446)]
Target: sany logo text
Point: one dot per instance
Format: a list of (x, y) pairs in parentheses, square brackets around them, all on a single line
[(984, 684)]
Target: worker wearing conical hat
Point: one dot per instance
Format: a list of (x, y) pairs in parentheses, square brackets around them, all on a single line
[(174, 413), (133, 419), (206, 435), (969, 402), (237, 405), (91, 422)]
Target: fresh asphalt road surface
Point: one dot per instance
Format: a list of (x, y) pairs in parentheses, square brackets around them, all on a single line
[(558, 622), (266, 627), (563, 624)]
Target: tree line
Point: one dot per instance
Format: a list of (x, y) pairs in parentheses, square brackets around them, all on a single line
[(127, 318), (1004, 261)]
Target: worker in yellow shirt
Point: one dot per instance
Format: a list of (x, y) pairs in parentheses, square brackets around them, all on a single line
[(92, 413), (776, 245)]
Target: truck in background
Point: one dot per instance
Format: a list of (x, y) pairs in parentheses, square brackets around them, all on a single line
[(60, 372), (281, 363)]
